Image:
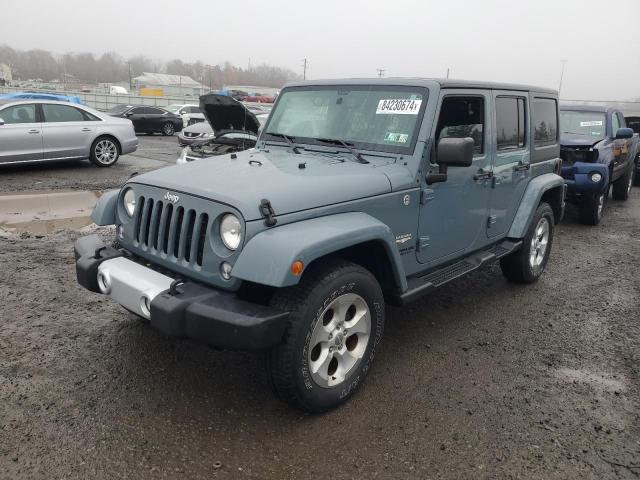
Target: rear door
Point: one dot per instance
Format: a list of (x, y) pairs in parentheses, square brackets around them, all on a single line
[(155, 117), (21, 134), (510, 163), (67, 131)]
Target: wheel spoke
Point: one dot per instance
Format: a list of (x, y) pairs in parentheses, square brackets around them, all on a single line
[(322, 364), (359, 323)]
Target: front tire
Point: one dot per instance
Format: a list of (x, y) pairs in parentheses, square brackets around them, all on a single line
[(592, 208), (622, 186), (527, 264), (336, 321), (168, 129), (105, 152)]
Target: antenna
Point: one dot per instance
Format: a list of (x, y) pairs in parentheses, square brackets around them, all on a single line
[(564, 62), (380, 72)]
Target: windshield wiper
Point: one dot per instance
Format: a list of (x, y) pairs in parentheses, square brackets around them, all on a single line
[(287, 138), (336, 141)]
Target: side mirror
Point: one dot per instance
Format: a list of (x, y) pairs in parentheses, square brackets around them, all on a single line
[(623, 133), (1, 122), (128, 114), (451, 152)]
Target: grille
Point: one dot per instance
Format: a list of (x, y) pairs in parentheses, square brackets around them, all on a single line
[(192, 134), (176, 232)]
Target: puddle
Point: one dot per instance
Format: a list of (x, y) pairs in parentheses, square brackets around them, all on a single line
[(46, 212)]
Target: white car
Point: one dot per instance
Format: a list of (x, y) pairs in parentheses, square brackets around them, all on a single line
[(190, 113)]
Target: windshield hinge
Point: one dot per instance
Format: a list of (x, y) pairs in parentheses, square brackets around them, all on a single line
[(266, 210)]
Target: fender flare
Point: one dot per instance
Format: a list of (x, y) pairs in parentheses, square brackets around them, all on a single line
[(104, 213), (531, 199), (267, 257)]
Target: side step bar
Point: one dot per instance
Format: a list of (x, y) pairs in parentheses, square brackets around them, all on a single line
[(421, 285)]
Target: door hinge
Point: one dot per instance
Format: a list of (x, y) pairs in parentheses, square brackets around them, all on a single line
[(491, 220), (426, 195), (423, 242)]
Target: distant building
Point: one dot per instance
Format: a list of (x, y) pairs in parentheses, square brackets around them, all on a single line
[(169, 84), (5, 73), (253, 90)]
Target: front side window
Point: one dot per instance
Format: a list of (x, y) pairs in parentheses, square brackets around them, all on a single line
[(545, 122), (589, 124), (510, 123), (615, 124), (137, 111), (462, 117), (19, 114), (367, 117)]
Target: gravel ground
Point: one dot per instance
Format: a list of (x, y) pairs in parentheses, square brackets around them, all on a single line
[(482, 379)]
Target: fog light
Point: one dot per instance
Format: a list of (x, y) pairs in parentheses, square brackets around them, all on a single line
[(225, 270), (595, 177)]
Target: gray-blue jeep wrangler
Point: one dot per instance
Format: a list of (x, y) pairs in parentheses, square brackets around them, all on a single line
[(358, 193)]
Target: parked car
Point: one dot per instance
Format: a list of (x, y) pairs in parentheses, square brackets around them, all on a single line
[(358, 192), (190, 113), (117, 90), (633, 122), (149, 119), (43, 130), (598, 152), (41, 96), (259, 99)]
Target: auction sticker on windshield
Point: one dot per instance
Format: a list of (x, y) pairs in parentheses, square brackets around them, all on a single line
[(398, 106), (594, 123)]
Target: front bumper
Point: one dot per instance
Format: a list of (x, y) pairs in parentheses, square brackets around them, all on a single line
[(578, 181), (177, 309)]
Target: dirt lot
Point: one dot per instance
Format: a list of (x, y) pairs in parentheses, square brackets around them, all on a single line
[(482, 379)]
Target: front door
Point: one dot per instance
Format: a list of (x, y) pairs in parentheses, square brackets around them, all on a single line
[(621, 147), (21, 134), (511, 159), (453, 214)]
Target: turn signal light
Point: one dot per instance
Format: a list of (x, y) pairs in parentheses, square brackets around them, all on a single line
[(297, 267)]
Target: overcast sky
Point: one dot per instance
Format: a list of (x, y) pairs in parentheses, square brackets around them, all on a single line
[(522, 41)]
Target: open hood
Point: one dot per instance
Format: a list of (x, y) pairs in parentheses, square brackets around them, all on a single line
[(577, 140), (225, 113)]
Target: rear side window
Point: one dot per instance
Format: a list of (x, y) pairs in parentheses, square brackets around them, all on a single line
[(153, 111), (510, 122), (137, 111), (19, 114), (462, 117), (61, 113), (545, 122)]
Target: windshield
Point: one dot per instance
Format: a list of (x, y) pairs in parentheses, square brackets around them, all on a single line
[(173, 108), (119, 109), (591, 124), (370, 117)]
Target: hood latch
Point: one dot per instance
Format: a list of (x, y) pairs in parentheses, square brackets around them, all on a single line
[(266, 210)]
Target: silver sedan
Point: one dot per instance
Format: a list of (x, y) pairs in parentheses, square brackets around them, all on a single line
[(43, 130)]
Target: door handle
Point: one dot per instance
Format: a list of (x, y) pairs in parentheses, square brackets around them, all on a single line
[(521, 167), (483, 175), (34, 131), (86, 129)]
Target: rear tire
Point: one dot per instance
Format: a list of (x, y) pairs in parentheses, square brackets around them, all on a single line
[(336, 321), (105, 152), (622, 186), (527, 264), (168, 129)]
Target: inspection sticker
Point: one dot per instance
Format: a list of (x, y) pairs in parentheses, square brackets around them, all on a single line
[(396, 137), (398, 106), (594, 123)]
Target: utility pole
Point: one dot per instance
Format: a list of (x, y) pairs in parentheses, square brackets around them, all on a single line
[(380, 72), (210, 79), (130, 80), (447, 72), (304, 69), (564, 62)]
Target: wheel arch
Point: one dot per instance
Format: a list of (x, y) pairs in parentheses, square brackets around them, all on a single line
[(548, 187), (267, 257)]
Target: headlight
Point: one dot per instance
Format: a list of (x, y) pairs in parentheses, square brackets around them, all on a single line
[(230, 231), (595, 177), (129, 201)]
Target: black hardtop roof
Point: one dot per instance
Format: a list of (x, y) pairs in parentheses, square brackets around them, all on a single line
[(426, 82), (587, 108)]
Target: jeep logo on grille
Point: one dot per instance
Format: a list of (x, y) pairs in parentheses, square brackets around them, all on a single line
[(171, 197)]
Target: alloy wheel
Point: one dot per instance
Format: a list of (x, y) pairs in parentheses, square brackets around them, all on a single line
[(106, 152), (539, 243)]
